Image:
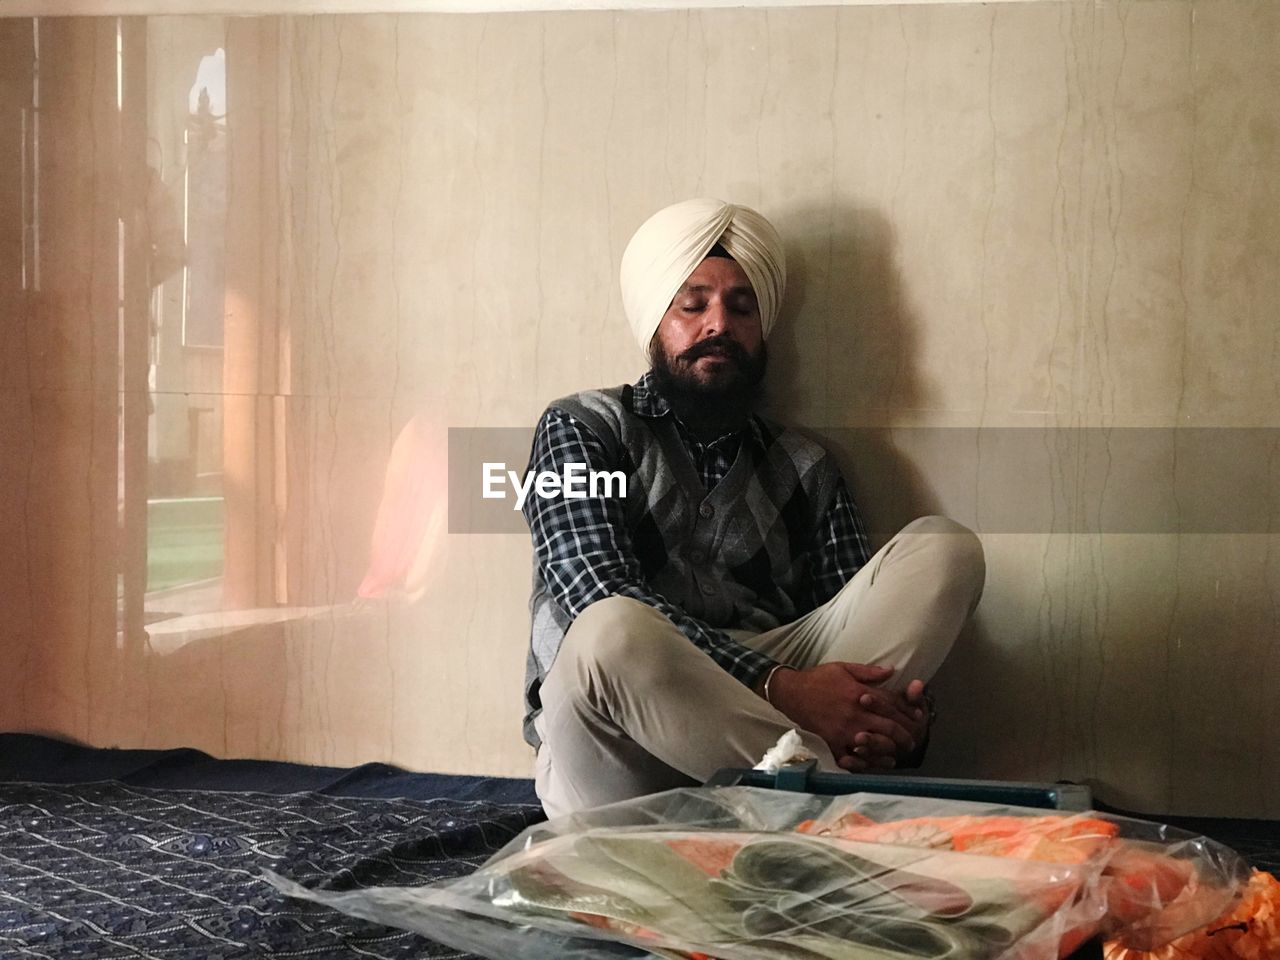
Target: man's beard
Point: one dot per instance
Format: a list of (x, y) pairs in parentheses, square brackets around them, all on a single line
[(724, 403)]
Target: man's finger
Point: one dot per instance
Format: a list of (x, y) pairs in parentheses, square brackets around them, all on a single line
[(915, 692), (878, 704), (896, 709), (875, 744), (875, 759), (868, 673), (894, 731)]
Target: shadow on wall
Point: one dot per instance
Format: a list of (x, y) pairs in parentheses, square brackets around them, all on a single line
[(844, 359), (844, 367)]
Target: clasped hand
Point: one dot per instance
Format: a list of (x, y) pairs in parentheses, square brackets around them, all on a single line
[(866, 726)]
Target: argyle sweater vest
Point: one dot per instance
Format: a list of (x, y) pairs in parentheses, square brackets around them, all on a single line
[(734, 558)]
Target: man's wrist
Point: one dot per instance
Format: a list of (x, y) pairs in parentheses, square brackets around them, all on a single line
[(768, 688), (757, 687)]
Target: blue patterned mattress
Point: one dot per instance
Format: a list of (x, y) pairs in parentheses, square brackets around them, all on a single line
[(157, 854)]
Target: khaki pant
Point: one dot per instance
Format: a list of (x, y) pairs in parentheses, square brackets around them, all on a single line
[(631, 706)]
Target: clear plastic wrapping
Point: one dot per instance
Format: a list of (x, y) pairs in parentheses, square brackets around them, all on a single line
[(740, 873)]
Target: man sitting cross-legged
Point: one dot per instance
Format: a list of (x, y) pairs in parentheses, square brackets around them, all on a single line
[(730, 595)]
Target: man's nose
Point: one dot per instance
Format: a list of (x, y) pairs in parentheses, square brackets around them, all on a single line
[(715, 319)]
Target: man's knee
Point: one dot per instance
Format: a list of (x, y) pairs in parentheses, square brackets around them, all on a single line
[(619, 636), (954, 549)]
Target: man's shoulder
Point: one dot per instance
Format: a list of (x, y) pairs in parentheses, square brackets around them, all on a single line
[(600, 415), (603, 408), (601, 400), (629, 401)]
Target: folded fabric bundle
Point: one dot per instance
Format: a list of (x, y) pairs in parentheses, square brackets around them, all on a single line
[(746, 874)]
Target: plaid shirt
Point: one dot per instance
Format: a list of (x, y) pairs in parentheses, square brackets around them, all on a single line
[(713, 459), (584, 551)]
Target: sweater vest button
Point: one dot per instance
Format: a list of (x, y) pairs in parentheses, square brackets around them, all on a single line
[(697, 556), (708, 589), (706, 510)]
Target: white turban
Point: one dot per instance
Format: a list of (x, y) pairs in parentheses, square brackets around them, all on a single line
[(670, 245)]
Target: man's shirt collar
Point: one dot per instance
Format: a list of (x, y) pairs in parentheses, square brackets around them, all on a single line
[(645, 399)]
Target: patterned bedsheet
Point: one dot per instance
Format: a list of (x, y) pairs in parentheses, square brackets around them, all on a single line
[(114, 870)]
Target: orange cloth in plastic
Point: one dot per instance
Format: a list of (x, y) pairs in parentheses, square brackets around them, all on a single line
[(1251, 931)]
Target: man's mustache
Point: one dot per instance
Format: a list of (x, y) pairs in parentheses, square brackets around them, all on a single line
[(718, 345)]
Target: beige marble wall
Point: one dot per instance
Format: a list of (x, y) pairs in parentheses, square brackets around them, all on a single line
[(1034, 247)]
